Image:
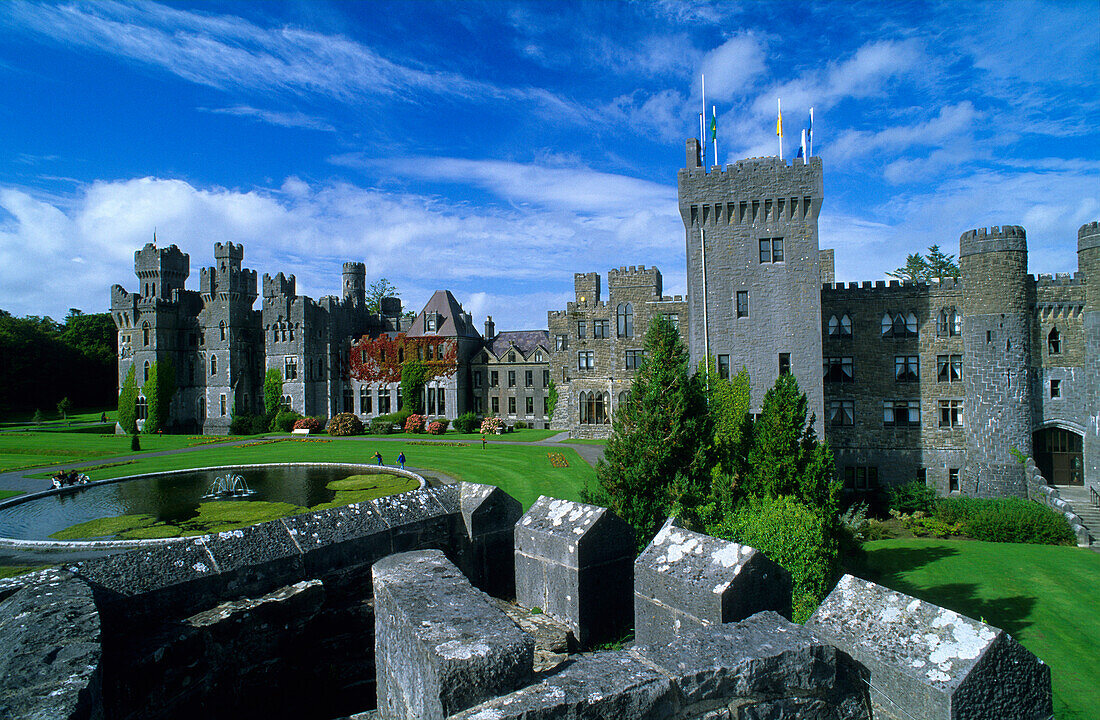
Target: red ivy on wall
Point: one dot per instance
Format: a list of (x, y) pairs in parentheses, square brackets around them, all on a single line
[(378, 360)]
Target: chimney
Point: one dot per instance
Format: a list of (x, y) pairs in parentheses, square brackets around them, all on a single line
[(490, 327)]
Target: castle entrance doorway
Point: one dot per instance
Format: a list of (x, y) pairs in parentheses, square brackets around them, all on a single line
[(1058, 456)]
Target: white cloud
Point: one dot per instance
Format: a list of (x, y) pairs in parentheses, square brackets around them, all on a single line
[(293, 119), (730, 67)]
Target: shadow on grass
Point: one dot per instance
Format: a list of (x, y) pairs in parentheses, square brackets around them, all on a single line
[(890, 567)]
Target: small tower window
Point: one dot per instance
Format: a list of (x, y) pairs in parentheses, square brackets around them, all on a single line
[(213, 364), (222, 328), (950, 322), (145, 334), (142, 409), (146, 371), (626, 320), (1054, 342)]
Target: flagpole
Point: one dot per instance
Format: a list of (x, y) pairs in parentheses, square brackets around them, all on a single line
[(703, 115), (811, 133), (714, 138), (805, 155), (779, 125)]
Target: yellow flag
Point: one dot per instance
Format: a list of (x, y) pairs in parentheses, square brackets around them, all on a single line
[(779, 125)]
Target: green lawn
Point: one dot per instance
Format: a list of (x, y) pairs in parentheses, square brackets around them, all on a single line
[(21, 419), (5, 494), (583, 441), (1044, 596), (525, 435), (42, 449)]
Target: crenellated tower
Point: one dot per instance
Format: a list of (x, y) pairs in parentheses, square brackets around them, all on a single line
[(753, 268), (355, 283), (996, 360)]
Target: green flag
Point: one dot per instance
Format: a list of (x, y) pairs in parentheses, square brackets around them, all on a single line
[(713, 127)]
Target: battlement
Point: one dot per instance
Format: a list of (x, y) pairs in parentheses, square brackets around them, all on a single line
[(937, 284), (587, 287), (1088, 236), (634, 276), (1006, 238), (1057, 279), (355, 267), (161, 260), (753, 178), (228, 251), (279, 285)]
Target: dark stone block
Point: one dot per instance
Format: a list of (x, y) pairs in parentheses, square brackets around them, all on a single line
[(487, 549), (440, 644), (257, 558)]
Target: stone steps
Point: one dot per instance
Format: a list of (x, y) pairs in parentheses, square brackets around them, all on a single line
[(1078, 496)]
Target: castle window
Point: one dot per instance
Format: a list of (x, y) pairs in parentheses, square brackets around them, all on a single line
[(274, 334), (624, 398), (901, 413), (950, 322), (400, 355), (511, 356), (594, 408), (494, 378), (222, 328), (365, 400), (512, 405), (771, 250), (292, 333), (141, 408), (145, 334), (840, 327), (949, 368), (586, 360), (1055, 388), (529, 378), (545, 406), (287, 402), (430, 396), (429, 352), (191, 371), (673, 319), (223, 408), (860, 478), (625, 315), (600, 328), (724, 367), (951, 413), (538, 356), (634, 359), (561, 342), (838, 369), (784, 363), (383, 401), (495, 404), (213, 364), (1054, 342), (899, 324), (400, 403), (146, 371), (477, 378), (546, 378), (430, 322), (479, 406), (906, 368), (952, 480), (290, 370), (529, 406), (580, 330), (841, 412), (511, 378), (742, 303), (440, 395)]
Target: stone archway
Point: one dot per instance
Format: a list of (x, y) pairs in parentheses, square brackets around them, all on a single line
[(1058, 455)]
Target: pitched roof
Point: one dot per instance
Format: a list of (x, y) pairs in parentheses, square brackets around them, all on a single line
[(526, 341), (451, 318)]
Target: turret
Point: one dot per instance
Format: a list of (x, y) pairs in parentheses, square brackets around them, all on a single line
[(996, 360), (161, 270), (355, 283), (227, 276), (279, 285), (587, 287)]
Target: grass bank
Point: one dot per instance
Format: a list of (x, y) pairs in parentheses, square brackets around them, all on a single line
[(1044, 596)]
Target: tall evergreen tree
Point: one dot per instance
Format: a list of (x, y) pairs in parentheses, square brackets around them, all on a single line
[(159, 390), (127, 403), (655, 463), (273, 391), (729, 403), (413, 374)]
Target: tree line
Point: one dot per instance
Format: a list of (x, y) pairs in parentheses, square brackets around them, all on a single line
[(43, 361)]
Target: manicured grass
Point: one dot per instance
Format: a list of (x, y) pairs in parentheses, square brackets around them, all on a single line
[(1044, 596), (584, 441), (52, 420), (7, 571), (4, 494), (524, 435), (43, 449)]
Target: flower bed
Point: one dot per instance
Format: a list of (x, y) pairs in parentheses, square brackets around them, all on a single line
[(557, 460)]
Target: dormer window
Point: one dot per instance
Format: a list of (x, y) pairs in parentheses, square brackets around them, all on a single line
[(511, 356), (431, 322)]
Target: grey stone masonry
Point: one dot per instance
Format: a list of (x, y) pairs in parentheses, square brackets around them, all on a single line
[(50, 653), (684, 580), (440, 645), (1088, 260), (929, 662), (488, 554), (576, 562), (762, 667)]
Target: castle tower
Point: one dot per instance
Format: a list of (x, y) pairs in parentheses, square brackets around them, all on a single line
[(1088, 264), (753, 269), (355, 283), (587, 287), (996, 360), (161, 270)]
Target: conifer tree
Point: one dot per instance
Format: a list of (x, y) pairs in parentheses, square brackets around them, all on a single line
[(158, 391), (729, 403), (127, 404), (413, 374), (273, 391), (655, 463)]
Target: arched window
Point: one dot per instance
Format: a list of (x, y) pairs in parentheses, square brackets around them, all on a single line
[(274, 334), (840, 326), (213, 364), (142, 408), (887, 324), (625, 316), (145, 333), (1054, 342), (624, 399), (286, 402), (950, 322), (223, 329), (146, 373), (584, 408), (202, 408)]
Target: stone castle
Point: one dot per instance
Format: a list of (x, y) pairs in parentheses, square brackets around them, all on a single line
[(952, 381)]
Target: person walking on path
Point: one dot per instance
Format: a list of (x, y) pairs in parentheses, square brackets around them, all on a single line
[(378, 457), (482, 441), (401, 459)]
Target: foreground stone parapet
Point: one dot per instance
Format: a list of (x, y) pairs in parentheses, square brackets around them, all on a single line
[(50, 650), (440, 644), (930, 662), (762, 667), (576, 562), (489, 515), (684, 580)]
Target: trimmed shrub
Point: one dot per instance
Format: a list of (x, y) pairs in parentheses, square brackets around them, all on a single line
[(466, 422), (795, 537), (436, 428), (445, 422), (913, 496), (520, 425), (285, 419), (492, 425), (345, 424), (414, 424), (261, 424), (314, 425), (1013, 520), (378, 426), (242, 424)]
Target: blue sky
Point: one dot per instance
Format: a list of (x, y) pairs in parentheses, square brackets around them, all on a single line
[(494, 149)]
